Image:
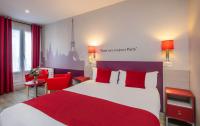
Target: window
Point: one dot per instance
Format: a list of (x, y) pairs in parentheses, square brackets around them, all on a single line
[(16, 50), (28, 51), (21, 48)]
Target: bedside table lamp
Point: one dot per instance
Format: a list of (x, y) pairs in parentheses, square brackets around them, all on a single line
[(92, 52), (167, 46)]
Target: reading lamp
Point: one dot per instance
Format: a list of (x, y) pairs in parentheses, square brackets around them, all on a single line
[(92, 52), (167, 46)]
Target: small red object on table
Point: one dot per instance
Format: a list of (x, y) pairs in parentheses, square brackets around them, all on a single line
[(81, 78), (34, 83)]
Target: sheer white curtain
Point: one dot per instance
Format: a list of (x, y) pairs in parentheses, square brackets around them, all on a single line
[(16, 50), (21, 50)]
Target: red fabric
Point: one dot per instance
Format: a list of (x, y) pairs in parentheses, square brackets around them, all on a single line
[(6, 77), (28, 77), (44, 72), (59, 82), (35, 29), (43, 75), (74, 109), (81, 78), (103, 75), (68, 75), (135, 79)]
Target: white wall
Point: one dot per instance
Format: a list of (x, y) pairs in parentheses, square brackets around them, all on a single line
[(177, 78), (140, 23), (134, 23), (195, 53)]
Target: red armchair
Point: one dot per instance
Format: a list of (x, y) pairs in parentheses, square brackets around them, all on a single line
[(59, 82), (42, 76), (28, 77)]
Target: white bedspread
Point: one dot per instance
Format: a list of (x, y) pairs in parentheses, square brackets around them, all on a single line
[(25, 115)]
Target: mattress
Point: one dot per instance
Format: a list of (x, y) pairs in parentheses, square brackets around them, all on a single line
[(146, 99)]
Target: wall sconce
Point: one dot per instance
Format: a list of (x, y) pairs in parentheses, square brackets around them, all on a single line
[(167, 46), (92, 52)]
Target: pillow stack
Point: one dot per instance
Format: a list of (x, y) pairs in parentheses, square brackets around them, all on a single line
[(129, 78)]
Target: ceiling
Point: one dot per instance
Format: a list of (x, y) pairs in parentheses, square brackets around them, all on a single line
[(48, 11)]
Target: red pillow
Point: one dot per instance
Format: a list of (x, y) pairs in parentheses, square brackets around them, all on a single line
[(135, 79), (103, 75)]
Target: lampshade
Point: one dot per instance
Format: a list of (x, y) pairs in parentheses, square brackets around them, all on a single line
[(167, 45), (91, 49)]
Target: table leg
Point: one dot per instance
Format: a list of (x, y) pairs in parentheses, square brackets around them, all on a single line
[(36, 91), (45, 88), (27, 90), (166, 121)]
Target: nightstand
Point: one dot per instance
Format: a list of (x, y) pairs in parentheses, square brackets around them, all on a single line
[(80, 79), (180, 105)]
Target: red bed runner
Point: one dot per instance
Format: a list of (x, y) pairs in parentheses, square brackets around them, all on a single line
[(75, 109)]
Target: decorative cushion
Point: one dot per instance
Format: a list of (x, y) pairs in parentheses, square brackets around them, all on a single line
[(103, 75), (135, 79)]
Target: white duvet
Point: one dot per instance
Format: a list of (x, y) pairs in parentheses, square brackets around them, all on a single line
[(25, 115)]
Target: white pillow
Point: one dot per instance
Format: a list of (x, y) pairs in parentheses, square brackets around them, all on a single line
[(122, 78), (114, 77), (94, 73), (151, 79)]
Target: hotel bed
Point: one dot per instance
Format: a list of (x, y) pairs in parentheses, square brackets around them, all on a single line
[(25, 115), (93, 103)]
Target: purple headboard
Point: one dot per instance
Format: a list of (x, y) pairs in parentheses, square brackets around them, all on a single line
[(75, 73), (139, 66)]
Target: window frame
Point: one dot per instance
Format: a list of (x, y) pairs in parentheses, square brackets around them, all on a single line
[(22, 51)]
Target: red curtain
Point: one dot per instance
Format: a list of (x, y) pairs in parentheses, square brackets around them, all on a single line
[(6, 75), (36, 45)]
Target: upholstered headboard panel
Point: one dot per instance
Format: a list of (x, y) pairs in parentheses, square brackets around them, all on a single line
[(74, 73), (139, 66)]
